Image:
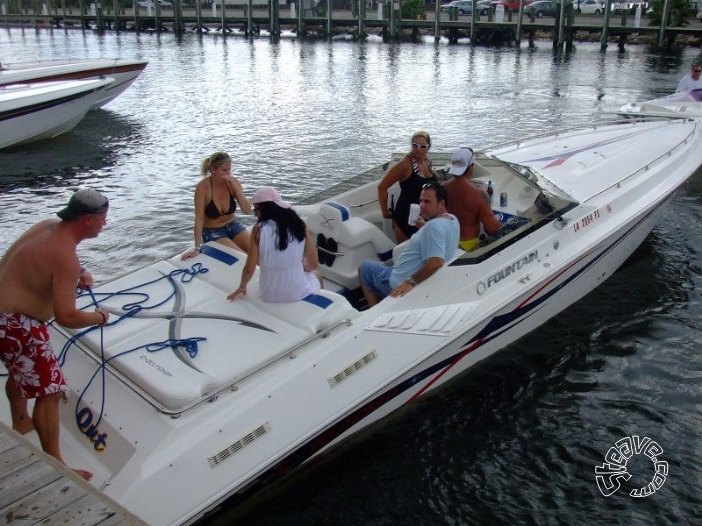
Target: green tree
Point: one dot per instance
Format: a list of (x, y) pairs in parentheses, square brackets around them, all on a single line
[(678, 13), (411, 8)]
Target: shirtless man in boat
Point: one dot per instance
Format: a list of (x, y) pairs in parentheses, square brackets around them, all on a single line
[(468, 203), (38, 277)]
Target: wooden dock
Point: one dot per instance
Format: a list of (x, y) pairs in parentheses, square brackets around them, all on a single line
[(37, 489), (480, 29)]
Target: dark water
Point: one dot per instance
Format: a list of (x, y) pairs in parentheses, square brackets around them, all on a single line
[(517, 439)]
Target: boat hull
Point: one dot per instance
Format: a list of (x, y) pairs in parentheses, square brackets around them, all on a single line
[(33, 112), (256, 390), (685, 104), (124, 73)]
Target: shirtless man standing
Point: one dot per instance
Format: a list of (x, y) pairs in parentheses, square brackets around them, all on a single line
[(469, 204), (38, 277)]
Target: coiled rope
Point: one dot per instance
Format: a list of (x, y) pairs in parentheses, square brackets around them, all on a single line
[(130, 310)]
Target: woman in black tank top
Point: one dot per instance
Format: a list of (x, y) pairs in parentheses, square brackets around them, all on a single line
[(216, 197), (412, 172)]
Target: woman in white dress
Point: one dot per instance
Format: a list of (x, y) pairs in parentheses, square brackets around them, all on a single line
[(282, 247)]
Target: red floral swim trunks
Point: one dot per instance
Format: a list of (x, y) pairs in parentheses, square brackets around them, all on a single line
[(27, 353)]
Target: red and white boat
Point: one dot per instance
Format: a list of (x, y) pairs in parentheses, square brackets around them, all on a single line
[(41, 110), (124, 72)]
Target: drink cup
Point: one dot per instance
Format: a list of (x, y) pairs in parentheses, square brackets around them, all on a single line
[(413, 214)]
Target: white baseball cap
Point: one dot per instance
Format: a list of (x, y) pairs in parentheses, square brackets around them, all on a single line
[(460, 161)]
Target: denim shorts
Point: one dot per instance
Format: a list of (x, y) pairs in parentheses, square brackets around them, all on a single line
[(375, 277), (230, 230)]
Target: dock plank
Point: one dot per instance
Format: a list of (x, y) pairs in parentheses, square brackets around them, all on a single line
[(42, 503), (36, 488), (85, 511), (19, 483)]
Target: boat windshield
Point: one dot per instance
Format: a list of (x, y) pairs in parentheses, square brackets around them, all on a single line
[(694, 95), (538, 180)]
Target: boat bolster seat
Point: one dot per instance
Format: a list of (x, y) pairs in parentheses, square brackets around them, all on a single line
[(314, 314), (344, 242), (222, 264)]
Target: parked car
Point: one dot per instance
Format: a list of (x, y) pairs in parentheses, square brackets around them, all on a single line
[(542, 8), (589, 7), (465, 7), (445, 7), (143, 4), (511, 5), (483, 6), (629, 6)]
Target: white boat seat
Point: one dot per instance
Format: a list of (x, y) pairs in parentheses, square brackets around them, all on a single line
[(224, 265), (235, 337), (313, 314), (344, 242), (162, 374)]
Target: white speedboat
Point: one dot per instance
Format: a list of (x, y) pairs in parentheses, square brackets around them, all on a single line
[(186, 399), (124, 72), (685, 104), (31, 112)]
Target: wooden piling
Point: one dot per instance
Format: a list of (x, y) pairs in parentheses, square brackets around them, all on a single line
[(664, 21), (249, 19), (198, 17), (605, 26), (437, 15), (569, 30), (518, 39), (557, 28), (274, 18), (361, 19)]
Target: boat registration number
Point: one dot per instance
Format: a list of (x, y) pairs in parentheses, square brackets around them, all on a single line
[(586, 220)]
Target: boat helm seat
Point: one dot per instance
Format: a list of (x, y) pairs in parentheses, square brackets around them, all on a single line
[(344, 242)]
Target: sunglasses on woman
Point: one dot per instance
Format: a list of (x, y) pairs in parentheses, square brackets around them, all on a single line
[(422, 146)]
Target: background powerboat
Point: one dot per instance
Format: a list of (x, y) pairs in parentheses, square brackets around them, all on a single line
[(31, 112), (685, 104), (124, 72)]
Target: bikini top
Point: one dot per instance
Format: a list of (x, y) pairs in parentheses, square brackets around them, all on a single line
[(211, 209), (412, 186)]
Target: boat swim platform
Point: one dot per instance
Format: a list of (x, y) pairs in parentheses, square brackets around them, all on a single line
[(35, 488)]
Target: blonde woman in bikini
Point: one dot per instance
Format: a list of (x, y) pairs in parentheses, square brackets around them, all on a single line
[(216, 197)]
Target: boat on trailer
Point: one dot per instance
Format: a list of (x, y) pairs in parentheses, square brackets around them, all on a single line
[(187, 399), (684, 104), (123, 71)]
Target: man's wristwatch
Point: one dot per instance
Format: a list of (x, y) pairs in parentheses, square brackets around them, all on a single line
[(411, 281)]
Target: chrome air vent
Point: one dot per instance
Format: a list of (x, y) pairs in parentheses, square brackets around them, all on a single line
[(348, 371), (239, 445)]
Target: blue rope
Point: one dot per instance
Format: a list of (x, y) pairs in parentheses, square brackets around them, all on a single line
[(130, 310)]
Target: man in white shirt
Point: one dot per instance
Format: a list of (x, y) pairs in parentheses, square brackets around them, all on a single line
[(692, 80), (426, 252)]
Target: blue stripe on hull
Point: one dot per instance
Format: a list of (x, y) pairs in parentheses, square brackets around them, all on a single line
[(496, 327)]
